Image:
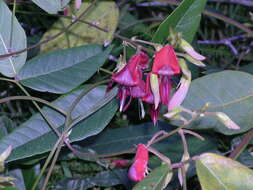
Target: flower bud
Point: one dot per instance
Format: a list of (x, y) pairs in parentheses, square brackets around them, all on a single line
[(3, 156), (189, 49), (180, 94), (173, 113), (78, 4), (193, 61), (154, 83), (138, 170), (227, 121), (185, 69)]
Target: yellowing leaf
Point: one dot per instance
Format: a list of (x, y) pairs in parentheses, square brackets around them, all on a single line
[(221, 173), (104, 15)]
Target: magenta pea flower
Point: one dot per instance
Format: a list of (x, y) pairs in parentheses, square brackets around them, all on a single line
[(130, 79), (131, 74), (165, 62), (139, 168), (165, 89)]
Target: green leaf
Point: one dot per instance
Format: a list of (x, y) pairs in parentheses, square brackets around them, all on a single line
[(103, 179), (12, 38), (35, 136), (158, 179), (184, 19), (104, 14), (121, 139), (247, 68), (221, 173), (230, 92), (63, 70), (51, 6)]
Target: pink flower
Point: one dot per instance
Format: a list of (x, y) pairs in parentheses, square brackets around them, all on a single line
[(149, 97), (179, 96), (138, 170), (139, 90), (123, 94), (78, 4), (165, 88), (131, 74), (154, 114), (165, 62)]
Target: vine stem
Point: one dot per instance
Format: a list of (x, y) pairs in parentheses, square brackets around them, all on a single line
[(67, 126), (241, 147), (218, 16), (54, 128), (10, 98)]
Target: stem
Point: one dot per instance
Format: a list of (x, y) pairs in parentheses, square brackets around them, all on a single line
[(10, 98), (181, 133), (160, 155), (46, 163), (241, 147), (219, 16), (106, 71), (184, 177), (53, 127), (53, 163), (81, 95)]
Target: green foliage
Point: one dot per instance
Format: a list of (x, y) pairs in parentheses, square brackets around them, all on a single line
[(158, 179), (221, 173), (37, 133), (48, 72), (12, 38), (229, 93), (103, 179), (51, 6), (185, 19)]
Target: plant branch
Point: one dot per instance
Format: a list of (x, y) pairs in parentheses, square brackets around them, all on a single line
[(218, 16), (240, 2), (10, 98), (239, 149)]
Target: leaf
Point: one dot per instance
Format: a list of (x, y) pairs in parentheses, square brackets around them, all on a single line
[(11, 39), (116, 140), (103, 179), (51, 6), (247, 68), (184, 19), (158, 179), (221, 173), (63, 70), (35, 136), (229, 92), (104, 14)]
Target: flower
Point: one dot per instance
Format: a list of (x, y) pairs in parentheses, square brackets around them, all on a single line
[(180, 94), (130, 79), (165, 62), (190, 51), (154, 113), (149, 97), (123, 94), (165, 88), (138, 170), (131, 74), (78, 4)]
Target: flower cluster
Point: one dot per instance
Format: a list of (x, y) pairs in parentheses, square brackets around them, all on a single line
[(154, 87)]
